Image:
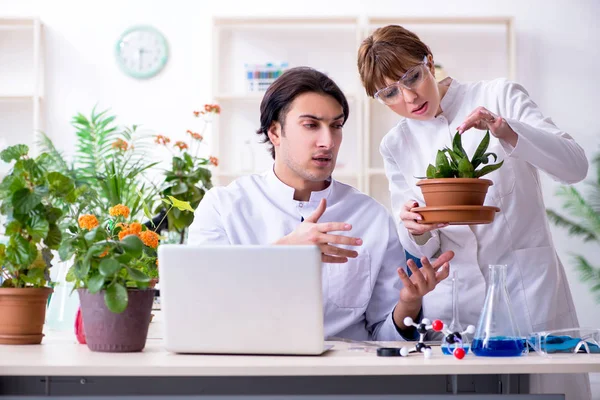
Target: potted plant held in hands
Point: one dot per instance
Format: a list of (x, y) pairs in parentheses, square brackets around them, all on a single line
[(454, 191), (114, 265), (30, 196)]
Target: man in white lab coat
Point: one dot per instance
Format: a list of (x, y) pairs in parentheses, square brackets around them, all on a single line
[(367, 292)]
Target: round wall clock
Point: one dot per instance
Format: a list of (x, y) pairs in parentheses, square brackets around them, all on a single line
[(142, 52)]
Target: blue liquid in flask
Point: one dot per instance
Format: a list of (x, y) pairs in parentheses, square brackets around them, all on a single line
[(498, 347)]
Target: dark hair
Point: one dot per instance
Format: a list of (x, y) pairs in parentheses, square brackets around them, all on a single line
[(388, 53), (279, 97)]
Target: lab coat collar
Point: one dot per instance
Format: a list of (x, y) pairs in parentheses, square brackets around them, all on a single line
[(452, 98), (286, 193)]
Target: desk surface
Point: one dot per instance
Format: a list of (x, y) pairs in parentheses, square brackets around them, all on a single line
[(60, 355)]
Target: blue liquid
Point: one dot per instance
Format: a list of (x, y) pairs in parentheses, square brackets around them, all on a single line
[(498, 347), (448, 349)]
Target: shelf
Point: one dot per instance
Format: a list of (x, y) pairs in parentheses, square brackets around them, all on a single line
[(286, 23), (18, 97), (15, 24), (458, 20)]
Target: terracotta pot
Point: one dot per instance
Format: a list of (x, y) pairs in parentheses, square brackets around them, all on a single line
[(454, 191), (22, 315), (457, 215), (110, 332)]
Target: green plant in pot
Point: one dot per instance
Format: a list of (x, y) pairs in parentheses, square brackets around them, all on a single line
[(455, 181), (30, 196), (115, 263)]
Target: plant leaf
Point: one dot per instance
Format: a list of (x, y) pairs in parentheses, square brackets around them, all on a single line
[(116, 298), (54, 237), (457, 145), (483, 145), (13, 153), (465, 168), (137, 275), (24, 201), (487, 169), (133, 245), (109, 266), (95, 283), (181, 205), (37, 227)]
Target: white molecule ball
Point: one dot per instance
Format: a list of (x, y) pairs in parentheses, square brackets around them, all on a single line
[(408, 321), (427, 353), (404, 351)]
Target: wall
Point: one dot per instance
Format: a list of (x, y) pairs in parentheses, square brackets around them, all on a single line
[(557, 61)]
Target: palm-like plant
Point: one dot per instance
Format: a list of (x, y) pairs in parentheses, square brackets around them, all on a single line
[(586, 224), (109, 160)]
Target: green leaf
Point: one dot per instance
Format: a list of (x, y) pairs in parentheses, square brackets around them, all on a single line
[(10, 184), (66, 250), (137, 275), (167, 202), (70, 277), (109, 266), (133, 245), (465, 168), (37, 227), (92, 235), (54, 237), (20, 251), (24, 201), (444, 171), (180, 188), (14, 152), (430, 171), (13, 227), (116, 298), (457, 145), (485, 142), (95, 283), (53, 214), (60, 185), (441, 160), (487, 169), (181, 205)]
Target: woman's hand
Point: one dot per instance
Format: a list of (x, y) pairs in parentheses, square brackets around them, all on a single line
[(411, 220), (482, 118)]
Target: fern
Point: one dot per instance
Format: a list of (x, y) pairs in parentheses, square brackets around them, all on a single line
[(57, 160), (586, 224)]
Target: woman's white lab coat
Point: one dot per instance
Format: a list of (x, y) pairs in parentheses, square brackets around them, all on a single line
[(519, 236)]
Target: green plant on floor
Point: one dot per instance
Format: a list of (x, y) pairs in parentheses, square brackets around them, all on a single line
[(455, 163), (583, 221), (29, 195), (109, 160)]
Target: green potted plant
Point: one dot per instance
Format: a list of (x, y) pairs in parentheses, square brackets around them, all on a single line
[(189, 177), (115, 261), (30, 197), (453, 188), (583, 221)]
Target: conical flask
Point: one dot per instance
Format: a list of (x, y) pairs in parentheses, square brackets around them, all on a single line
[(497, 334), (450, 342)]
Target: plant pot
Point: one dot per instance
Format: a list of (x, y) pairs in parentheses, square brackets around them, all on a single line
[(454, 191), (110, 332), (22, 315)]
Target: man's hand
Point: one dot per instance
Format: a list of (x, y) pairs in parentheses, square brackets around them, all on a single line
[(422, 281), (312, 232)]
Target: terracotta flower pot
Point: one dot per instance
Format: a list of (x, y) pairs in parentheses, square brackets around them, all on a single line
[(454, 191), (22, 315), (110, 332)]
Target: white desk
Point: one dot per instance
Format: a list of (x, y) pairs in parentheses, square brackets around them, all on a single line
[(60, 365)]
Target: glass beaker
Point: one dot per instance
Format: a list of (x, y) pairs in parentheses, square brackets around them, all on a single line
[(497, 333), (450, 342)]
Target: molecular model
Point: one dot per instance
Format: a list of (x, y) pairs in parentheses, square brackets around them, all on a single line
[(437, 326), (454, 338)]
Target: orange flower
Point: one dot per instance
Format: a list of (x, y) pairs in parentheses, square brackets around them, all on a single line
[(120, 144), (88, 222), (212, 108), (198, 113), (119, 210), (181, 145), (214, 161), (105, 253), (194, 135), (135, 227), (160, 139), (149, 238)]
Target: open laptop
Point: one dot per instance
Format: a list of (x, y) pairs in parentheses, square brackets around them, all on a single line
[(242, 299)]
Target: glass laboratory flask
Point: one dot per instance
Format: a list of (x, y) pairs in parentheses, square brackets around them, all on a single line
[(497, 333), (451, 342)]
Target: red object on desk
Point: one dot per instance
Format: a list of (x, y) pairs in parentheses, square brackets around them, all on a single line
[(79, 332)]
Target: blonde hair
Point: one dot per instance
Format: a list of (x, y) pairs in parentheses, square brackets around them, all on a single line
[(388, 53)]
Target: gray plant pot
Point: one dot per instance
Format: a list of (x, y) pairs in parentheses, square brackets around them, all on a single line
[(110, 332)]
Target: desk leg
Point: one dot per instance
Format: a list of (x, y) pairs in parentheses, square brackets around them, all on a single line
[(454, 383), (505, 384)]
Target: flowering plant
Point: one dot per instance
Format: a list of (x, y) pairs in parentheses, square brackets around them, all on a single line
[(189, 178), (113, 253)]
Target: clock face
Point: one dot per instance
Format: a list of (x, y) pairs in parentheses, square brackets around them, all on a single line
[(142, 52)]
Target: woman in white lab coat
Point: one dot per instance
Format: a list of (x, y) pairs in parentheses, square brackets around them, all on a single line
[(397, 69)]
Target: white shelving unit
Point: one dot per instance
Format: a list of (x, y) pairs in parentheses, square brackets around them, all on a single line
[(471, 48), (21, 82)]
